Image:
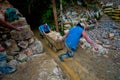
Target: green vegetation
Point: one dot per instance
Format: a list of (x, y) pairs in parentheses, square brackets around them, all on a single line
[(64, 2), (47, 16), (38, 12)]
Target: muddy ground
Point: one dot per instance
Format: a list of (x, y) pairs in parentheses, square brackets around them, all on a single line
[(85, 65)]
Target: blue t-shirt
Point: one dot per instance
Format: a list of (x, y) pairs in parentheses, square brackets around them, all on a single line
[(45, 29), (73, 37)]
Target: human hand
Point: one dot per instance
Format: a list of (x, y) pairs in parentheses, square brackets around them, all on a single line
[(19, 28), (59, 39), (45, 34), (96, 48)]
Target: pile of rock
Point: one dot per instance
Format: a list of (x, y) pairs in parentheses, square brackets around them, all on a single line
[(107, 33), (72, 16), (52, 39), (85, 45), (54, 35), (113, 12), (21, 44)]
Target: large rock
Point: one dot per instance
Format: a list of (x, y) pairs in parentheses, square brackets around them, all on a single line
[(22, 57), (20, 22), (101, 50), (23, 44), (24, 34), (36, 47), (27, 51), (31, 40), (12, 49), (84, 44)]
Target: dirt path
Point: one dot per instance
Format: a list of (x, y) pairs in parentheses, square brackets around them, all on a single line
[(85, 65), (72, 75)]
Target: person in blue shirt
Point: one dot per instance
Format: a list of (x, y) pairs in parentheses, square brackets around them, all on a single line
[(72, 38), (44, 29)]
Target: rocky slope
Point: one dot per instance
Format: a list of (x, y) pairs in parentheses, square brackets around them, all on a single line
[(21, 44)]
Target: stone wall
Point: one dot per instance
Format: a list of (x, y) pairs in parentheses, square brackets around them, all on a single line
[(21, 44)]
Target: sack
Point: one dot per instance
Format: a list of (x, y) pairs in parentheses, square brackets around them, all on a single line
[(11, 14)]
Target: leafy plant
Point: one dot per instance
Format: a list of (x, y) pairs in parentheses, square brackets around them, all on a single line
[(90, 6), (72, 3), (61, 32), (64, 2), (47, 15)]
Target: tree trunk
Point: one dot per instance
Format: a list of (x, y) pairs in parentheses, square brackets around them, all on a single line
[(55, 14)]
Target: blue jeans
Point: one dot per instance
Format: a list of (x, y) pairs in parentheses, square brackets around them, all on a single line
[(70, 51)]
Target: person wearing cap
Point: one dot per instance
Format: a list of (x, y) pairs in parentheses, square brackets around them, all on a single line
[(44, 29), (72, 38)]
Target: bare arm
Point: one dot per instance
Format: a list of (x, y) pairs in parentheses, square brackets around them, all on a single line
[(65, 35), (50, 30), (44, 33), (85, 35), (7, 24), (60, 39)]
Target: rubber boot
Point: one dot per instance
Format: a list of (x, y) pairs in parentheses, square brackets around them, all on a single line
[(61, 56), (70, 53)]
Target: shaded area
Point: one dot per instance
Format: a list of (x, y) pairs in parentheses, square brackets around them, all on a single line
[(32, 10)]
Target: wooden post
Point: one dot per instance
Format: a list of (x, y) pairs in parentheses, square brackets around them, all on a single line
[(55, 15)]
